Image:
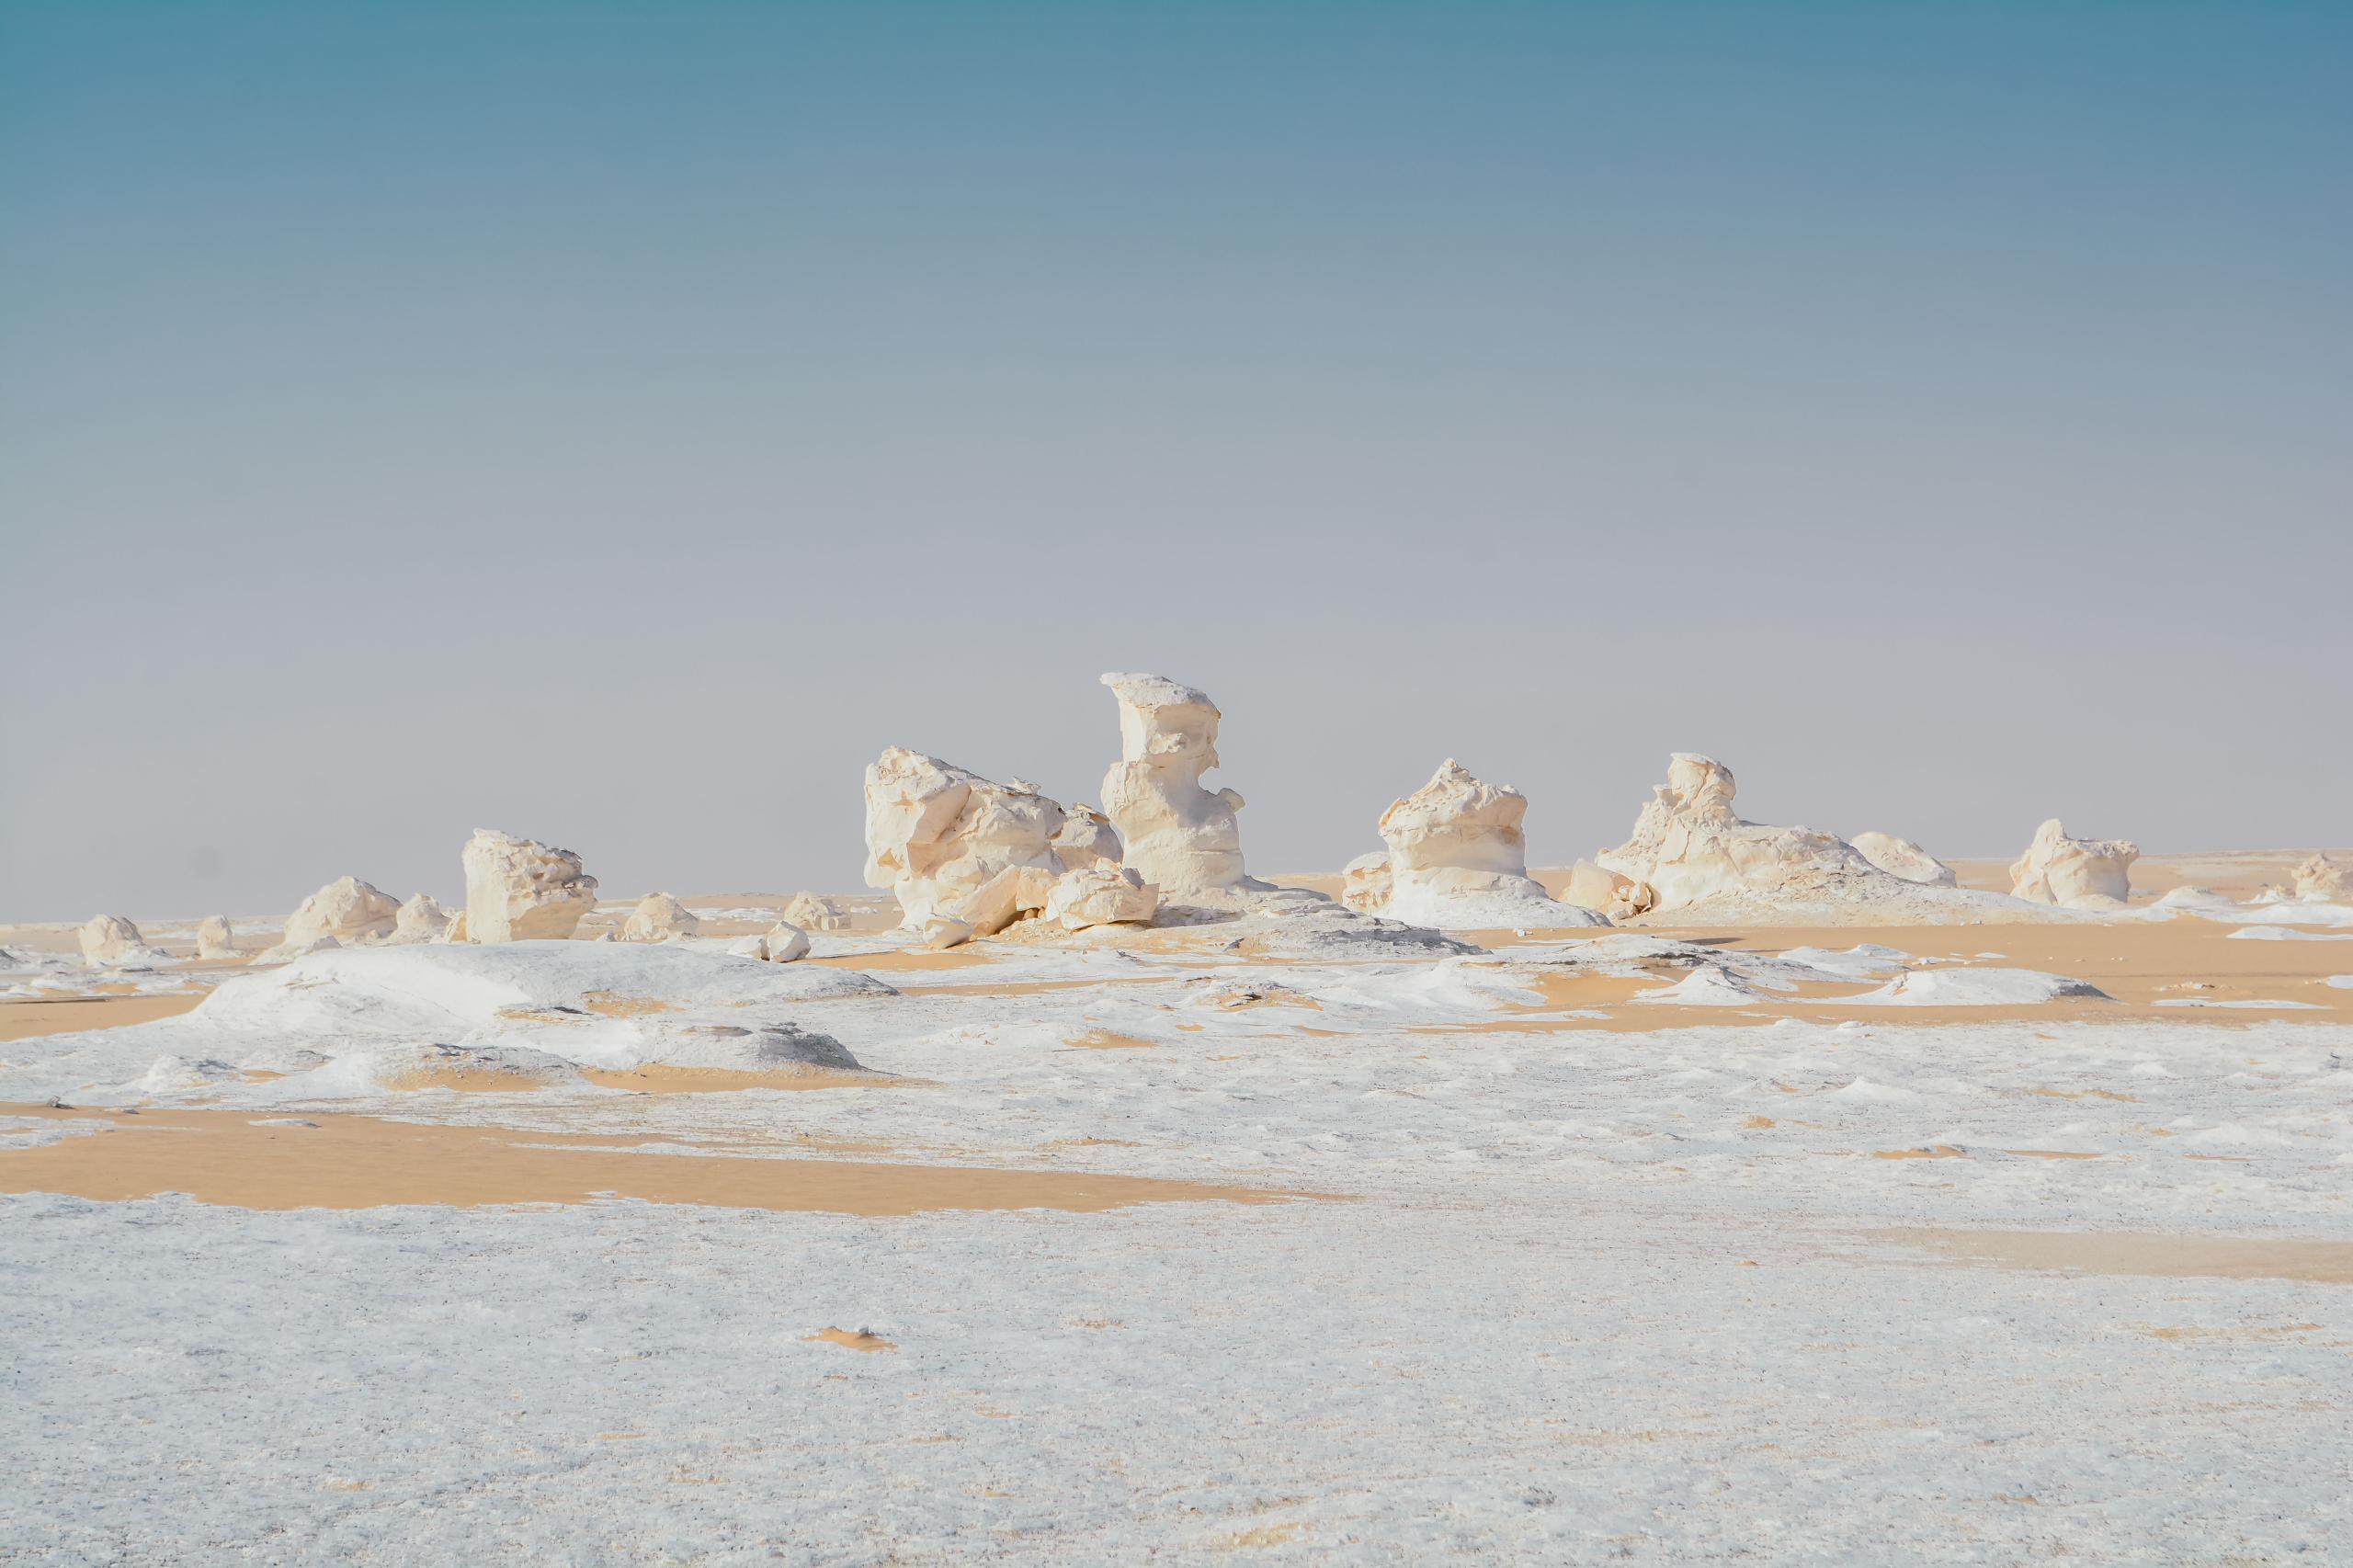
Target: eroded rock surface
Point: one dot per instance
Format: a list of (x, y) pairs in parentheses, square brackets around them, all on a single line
[(521, 890), (2075, 873)]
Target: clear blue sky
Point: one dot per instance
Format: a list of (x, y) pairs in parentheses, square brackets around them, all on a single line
[(617, 423)]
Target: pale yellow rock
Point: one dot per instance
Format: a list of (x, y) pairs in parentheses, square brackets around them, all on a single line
[(1902, 858), (1689, 847), (421, 919), (811, 913), (352, 912), (109, 939), (1099, 894), (949, 843), (215, 939), (2325, 880), (785, 942), (1364, 882), (658, 917), (1457, 857), (521, 890), (2075, 873)]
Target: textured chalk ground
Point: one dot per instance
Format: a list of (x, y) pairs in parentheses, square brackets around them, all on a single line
[(1853, 1250)]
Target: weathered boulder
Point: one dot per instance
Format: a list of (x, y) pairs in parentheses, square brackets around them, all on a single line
[(1689, 848), (811, 913), (354, 912), (2077, 873), (951, 844), (1590, 887), (214, 938), (658, 917), (421, 919), (112, 941), (1180, 837), (1364, 882), (2322, 880), (520, 890), (1088, 838), (785, 942), (1902, 858), (1099, 894)]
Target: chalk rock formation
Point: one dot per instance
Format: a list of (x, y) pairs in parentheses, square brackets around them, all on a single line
[(811, 913), (214, 939), (1180, 837), (1100, 895), (421, 919), (2323, 881), (1087, 838), (2078, 873), (1590, 887), (1688, 846), (658, 917), (1364, 882), (1902, 858), (112, 941), (785, 942), (347, 909), (518, 890), (1458, 858), (951, 845)]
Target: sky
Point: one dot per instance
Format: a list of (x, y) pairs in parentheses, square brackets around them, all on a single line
[(617, 423)]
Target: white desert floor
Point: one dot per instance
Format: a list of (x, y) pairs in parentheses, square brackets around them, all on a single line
[(1862, 1246)]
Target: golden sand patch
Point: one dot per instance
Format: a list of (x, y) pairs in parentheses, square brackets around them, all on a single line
[(471, 1080), (904, 960), (1933, 1152), (1105, 1039), (606, 1005), (852, 1339), (70, 1015), (357, 1162), (1262, 1536), (655, 1079), (2136, 1253)]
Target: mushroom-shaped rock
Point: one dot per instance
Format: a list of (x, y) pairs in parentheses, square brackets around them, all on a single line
[(1179, 836), (421, 919), (111, 941), (658, 917), (1101, 894), (811, 913), (2077, 874), (1088, 838), (350, 911), (949, 843), (214, 938), (1687, 845), (2322, 880), (1365, 882), (1902, 858), (520, 890)]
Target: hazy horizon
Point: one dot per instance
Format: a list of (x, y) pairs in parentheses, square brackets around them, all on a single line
[(618, 424)]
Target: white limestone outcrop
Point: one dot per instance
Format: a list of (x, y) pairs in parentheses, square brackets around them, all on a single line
[(521, 890), (1902, 858), (1688, 847), (1180, 837), (811, 913), (2322, 880), (2075, 873), (421, 919), (1590, 887), (352, 912), (785, 942), (1100, 895), (111, 942), (1088, 838), (952, 845), (215, 939), (1457, 857), (658, 917), (1364, 882)]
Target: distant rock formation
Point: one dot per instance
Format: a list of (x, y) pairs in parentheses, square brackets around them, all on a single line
[(421, 919), (1689, 847), (521, 890), (1364, 882), (352, 912), (811, 913), (2323, 881), (1179, 836), (214, 938), (1604, 893), (1902, 858), (1101, 894), (2077, 874), (658, 917), (111, 942), (1458, 858), (954, 846)]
